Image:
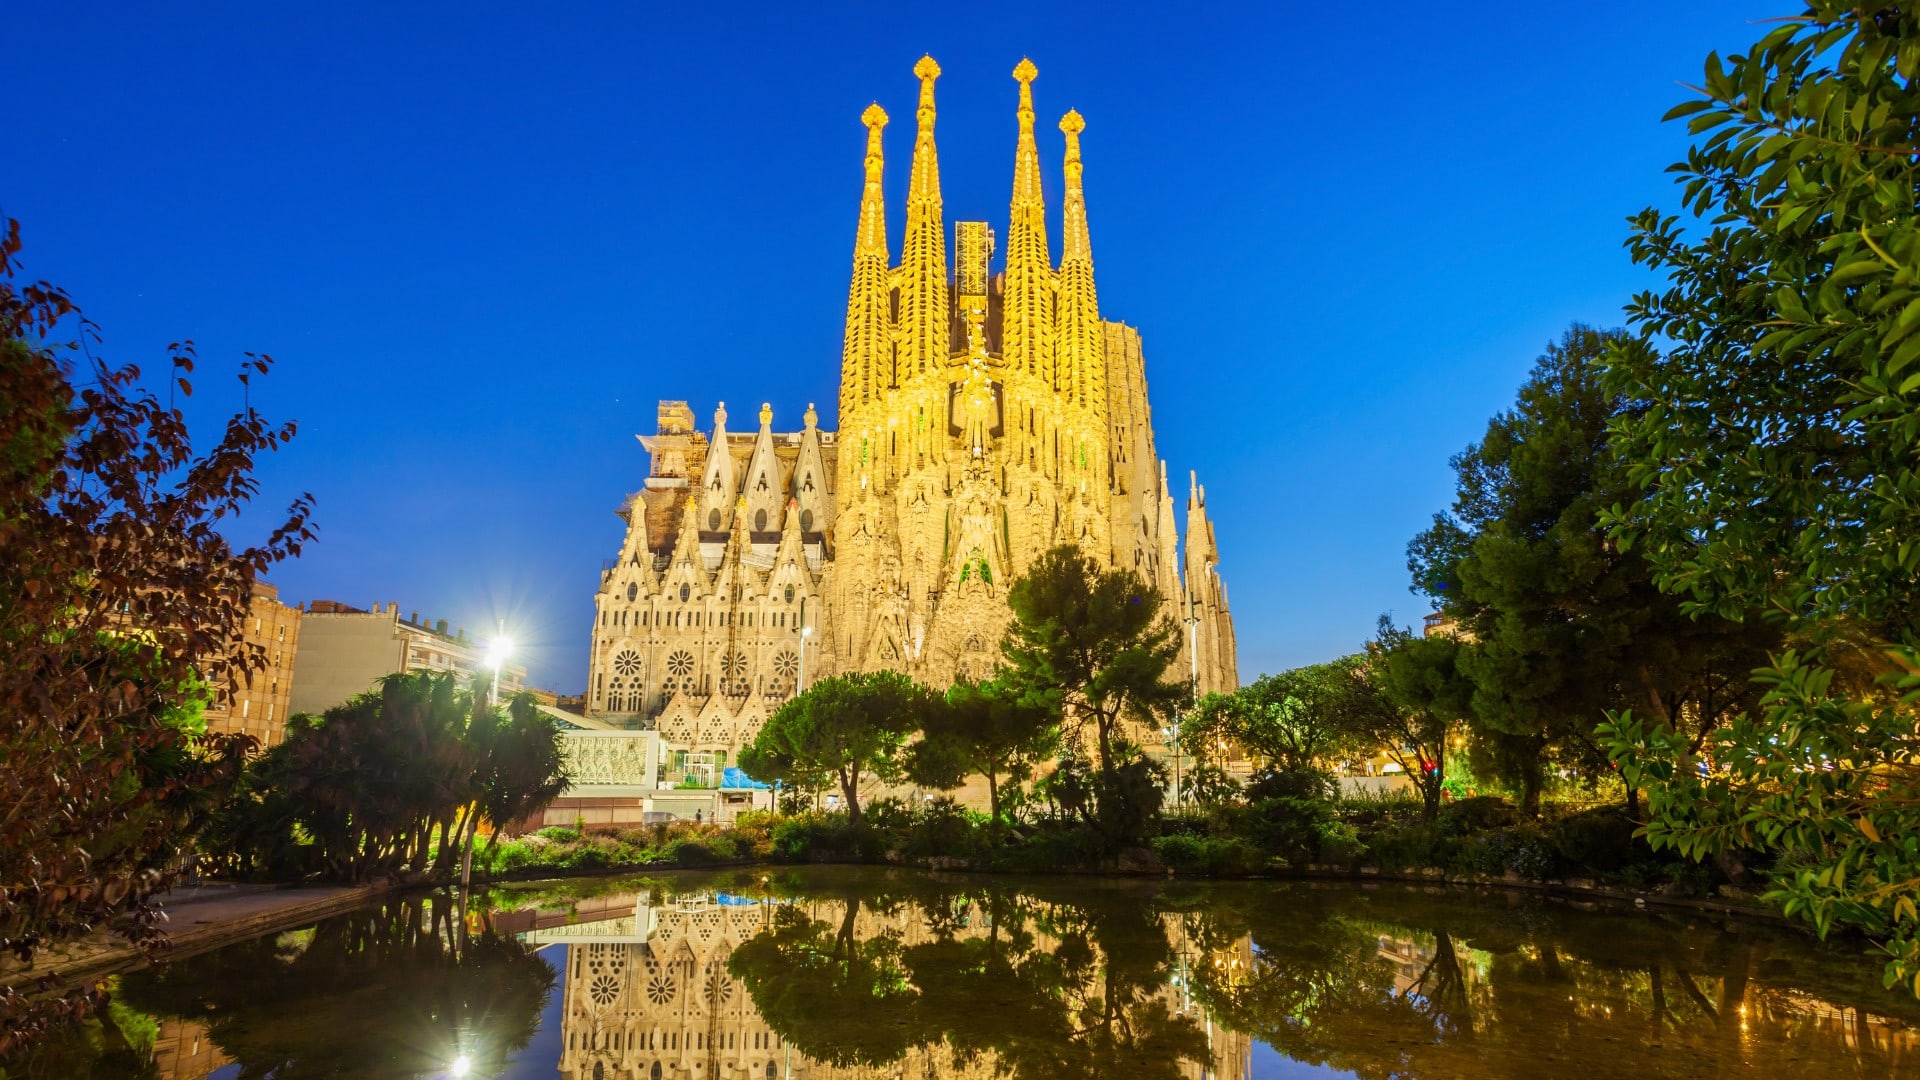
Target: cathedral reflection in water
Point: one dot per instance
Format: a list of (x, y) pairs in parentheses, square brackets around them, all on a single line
[(648, 995)]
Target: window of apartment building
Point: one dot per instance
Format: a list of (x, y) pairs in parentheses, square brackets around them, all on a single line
[(269, 712), (280, 634), (246, 707)]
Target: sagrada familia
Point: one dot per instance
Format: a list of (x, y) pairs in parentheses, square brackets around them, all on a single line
[(983, 418)]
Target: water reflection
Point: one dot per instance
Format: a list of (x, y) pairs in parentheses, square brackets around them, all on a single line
[(855, 974), (863, 973)]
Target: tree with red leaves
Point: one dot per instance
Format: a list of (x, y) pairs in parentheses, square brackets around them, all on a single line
[(121, 603)]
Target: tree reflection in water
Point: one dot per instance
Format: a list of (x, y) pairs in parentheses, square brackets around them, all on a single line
[(1403, 983), (841, 973), (1032, 985), (404, 989)]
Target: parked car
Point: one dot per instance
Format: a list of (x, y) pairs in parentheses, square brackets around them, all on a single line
[(658, 817)]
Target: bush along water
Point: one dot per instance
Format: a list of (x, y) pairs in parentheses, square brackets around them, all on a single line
[(1482, 839)]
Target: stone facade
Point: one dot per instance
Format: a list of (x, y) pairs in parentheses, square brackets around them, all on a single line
[(259, 705), (983, 418)]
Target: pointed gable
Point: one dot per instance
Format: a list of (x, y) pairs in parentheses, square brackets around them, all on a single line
[(718, 488), (763, 495), (810, 479)]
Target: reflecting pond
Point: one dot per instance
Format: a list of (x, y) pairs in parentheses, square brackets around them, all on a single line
[(835, 972)]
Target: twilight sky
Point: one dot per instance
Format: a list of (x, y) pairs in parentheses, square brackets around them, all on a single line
[(483, 241)]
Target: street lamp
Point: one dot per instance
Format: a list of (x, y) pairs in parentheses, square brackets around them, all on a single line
[(805, 632), (497, 651)]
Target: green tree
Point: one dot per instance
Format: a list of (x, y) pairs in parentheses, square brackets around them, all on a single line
[(524, 769), (1562, 623), (987, 728), (1778, 444), (1419, 698), (1293, 720), (394, 782), (847, 727), (1095, 642), (122, 596)]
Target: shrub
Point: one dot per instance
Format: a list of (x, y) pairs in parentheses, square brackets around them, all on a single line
[(1413, 846), (1340, 844), (559, 834), (1288, 827), (1521, 850), (1211, 855), (1477, 815), (1600, 841), (943, 828), (1281, 783)]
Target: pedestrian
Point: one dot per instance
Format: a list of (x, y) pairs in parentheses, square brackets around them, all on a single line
[(699, 818)]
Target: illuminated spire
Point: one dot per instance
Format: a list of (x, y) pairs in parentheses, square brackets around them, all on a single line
[(1026, 329), (1082, 361), (924, 319), (866, 357)]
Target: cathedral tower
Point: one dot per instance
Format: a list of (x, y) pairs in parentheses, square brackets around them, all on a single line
[(983, 418)]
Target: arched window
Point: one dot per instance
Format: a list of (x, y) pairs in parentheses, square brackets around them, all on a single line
[(685, 591), (655, 1074), (806, 521), (760, 520), (713, 521), (789, 594), (633, 593)]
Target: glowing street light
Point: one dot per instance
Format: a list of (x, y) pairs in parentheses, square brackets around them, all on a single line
[(497, 652)]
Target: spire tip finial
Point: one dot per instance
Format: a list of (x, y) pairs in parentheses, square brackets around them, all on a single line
[(1073, 123), (875, 116), (926, 70), (1024, 71)]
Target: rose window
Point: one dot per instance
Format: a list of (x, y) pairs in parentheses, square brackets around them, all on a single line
[(660, 988), (627, 663), (680, 664), (786, 670), (719, 987), (603, 990), (733, 673)]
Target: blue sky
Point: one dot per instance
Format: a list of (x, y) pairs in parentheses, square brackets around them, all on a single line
[(483, 240)]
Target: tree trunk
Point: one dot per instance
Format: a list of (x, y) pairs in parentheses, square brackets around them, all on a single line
[(993, 794), (1430, 791), (850, 790), (1633, 799)]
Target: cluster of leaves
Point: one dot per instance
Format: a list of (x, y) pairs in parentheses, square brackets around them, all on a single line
[(1087, 653), (1777, 441), (121, 605), (394, 783), (1552, 621)]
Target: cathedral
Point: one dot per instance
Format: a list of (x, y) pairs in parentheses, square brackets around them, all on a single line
[(983, 418)]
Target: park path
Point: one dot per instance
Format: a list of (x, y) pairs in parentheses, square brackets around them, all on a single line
[(199, 918)]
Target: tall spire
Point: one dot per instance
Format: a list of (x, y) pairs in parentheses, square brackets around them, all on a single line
[(1026, 331), (924, 319), (866, 357), (1081, 359)]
